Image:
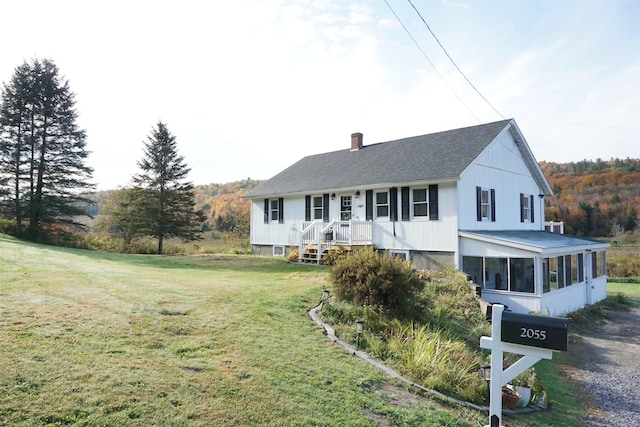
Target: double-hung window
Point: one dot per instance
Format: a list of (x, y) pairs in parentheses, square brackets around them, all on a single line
[(420, 202), (526, 208), (486, 212), (485, 204), (382, 204), (274, 209), (317, 207)]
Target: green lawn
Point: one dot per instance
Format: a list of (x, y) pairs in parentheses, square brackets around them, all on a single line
[(632, 290), (90, 338)]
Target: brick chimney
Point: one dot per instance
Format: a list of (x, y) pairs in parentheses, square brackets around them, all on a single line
[(356, 141)]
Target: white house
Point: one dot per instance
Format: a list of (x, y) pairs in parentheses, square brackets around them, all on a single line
[(470, 197)]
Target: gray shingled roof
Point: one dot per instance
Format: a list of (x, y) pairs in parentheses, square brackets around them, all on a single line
[(436, 156)]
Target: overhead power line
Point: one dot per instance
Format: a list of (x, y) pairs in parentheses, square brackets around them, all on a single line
[(431, 63), (449, 56)]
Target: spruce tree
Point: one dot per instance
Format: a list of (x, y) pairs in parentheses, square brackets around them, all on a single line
[(42, 150), (167, 200)]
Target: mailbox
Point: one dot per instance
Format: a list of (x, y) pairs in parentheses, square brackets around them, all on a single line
[(535, 331)]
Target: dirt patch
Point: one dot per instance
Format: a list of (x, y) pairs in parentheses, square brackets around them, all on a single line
[(607, 370)]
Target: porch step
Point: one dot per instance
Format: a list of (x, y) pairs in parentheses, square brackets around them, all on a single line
[(310, 256)]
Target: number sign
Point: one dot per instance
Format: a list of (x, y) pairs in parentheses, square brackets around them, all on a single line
[(535, 331)]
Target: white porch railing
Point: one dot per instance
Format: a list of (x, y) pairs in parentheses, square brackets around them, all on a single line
[(313, 234), (323, 235)]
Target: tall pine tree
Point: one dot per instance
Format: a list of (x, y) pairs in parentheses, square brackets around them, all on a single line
[(42, 150), (167, 200)]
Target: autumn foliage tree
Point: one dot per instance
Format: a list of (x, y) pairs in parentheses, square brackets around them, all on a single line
[(122, 214), (224, 206)]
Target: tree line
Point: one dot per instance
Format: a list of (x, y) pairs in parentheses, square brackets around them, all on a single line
[(594, 198), (45, 181)]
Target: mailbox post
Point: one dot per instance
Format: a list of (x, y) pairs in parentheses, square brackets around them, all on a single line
[(535, 337)]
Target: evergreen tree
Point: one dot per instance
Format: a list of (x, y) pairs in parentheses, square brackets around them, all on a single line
[(42, 150), (168, 205)]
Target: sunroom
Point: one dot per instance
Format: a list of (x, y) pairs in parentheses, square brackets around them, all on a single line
[(535, 271)]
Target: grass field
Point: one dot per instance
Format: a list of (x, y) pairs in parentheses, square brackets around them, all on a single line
[(90, 338), (632, 290)]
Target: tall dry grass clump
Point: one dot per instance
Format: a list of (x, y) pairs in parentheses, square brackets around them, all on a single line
[(438, 361)]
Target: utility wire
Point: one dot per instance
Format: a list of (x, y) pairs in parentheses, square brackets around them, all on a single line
[(431, 63), (452, 61)]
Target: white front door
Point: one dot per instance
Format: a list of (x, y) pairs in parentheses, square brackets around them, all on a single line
[(358, 212), (346, 208)]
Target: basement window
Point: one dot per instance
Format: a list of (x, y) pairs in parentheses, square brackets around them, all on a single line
[(278, 251), (404, 255)]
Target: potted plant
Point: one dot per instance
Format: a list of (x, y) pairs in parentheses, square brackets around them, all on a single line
[(510, 397), (530, 388)]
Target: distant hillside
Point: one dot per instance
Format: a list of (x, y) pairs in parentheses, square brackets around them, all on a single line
[(594, 198), (223, 203)]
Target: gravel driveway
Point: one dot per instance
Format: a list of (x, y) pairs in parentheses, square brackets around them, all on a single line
[(609, 370)]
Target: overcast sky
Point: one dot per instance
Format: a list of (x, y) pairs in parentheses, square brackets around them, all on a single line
[(249, 87)]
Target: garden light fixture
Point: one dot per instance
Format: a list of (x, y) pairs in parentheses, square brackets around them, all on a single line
[(359, 330), (485, 370)]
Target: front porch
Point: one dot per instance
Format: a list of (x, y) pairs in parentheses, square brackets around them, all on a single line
[(319, 238)]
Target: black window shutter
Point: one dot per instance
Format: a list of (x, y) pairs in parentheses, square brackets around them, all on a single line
[(493, 205), (393, 203), (266, 211), (404, 194), (521, 207), (479, 203), (531, 207), (369, 205), (433, 202), (307, 208), (280, 210), (325, 207)]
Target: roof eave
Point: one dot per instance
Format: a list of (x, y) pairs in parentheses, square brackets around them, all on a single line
[(352, 188), (529, 159)]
